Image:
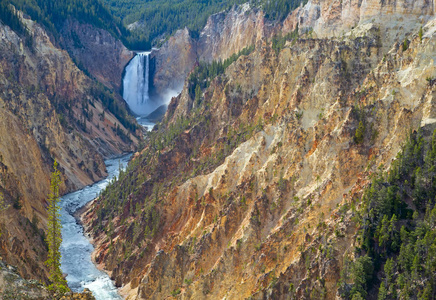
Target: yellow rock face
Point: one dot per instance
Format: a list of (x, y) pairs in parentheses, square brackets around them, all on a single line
[(47, 112), (273, 218)]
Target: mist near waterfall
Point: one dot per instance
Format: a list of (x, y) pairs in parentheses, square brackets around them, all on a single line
[(136, 91), (136, 85)]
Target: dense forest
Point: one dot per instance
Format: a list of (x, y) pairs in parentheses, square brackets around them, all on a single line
[(9, 17), (159, 18), (396, 257), (51, 14)]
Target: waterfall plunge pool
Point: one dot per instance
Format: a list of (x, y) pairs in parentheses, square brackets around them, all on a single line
[(76, 249), (137, 83)]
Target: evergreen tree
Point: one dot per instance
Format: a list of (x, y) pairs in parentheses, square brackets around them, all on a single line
[(360, 131), (197, 95), (3, 207), (54, 238)]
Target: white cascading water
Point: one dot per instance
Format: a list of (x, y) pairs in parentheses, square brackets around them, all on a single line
[(136, 85)]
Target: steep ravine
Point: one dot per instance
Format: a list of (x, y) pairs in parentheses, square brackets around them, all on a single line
[(241, 193), (49, 109), (225, 33)]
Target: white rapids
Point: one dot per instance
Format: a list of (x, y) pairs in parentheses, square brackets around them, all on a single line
[(76, 249)]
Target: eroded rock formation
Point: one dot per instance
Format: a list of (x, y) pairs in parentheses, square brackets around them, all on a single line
[(49, 109), (251, 197), (96, 51)]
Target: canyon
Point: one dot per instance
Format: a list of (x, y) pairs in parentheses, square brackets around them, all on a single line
[(50, 110), (251, 185), (246, 192)]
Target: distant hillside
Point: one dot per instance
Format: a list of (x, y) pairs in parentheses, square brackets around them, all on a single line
[(153, 20), (150, 21), (52, 14)]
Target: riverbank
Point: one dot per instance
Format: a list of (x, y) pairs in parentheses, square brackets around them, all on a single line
[(77, 249)]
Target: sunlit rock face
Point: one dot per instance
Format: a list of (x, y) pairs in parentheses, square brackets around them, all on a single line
[(48, 110), (266, 220)]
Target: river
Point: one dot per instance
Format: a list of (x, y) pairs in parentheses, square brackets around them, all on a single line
[(76, 249)]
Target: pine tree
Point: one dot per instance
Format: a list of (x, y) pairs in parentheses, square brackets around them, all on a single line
[(360, 131), (3, 207), (197, 95), (54, 238)]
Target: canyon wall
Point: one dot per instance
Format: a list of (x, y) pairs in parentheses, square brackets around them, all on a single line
[(225, 33), (230, 31), (327, 19), (246, 193), (173, 62), (96, 51), (49, 110)]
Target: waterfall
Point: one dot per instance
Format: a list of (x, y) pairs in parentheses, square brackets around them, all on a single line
[(136, 85)]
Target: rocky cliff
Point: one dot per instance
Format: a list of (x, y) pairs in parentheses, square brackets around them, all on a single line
[(246, 192), (229, 32), (225, 33), (394, 19), (96, 51), (173, 62), (49, 109)]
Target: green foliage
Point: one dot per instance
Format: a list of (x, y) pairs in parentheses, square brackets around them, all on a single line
[(111, 104), (160, 17), (53, 13), (3, 207), (360, 133), (9, 17), (204, 73), (54, 238), (361, 273), (279, 41), (278, 9), (405, 44), (420, 33), (175, 292), (198, 94), (398, 221), (360, 115), (164, 17)]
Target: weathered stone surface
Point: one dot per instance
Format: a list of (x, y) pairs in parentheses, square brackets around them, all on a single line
[(225, 33), (229, 32), (47, 111), (96, 51), (173, 61), (13, 286), (273, 219)]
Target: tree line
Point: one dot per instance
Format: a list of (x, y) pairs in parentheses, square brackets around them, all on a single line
[(396, 256), (161, 18), (9, 17)]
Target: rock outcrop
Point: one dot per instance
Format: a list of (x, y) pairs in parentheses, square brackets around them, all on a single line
[(393, 19), (96, 51), (247, 191), (229, 32), (173, 62), (225, 33), (49, 110), (13, 286)]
